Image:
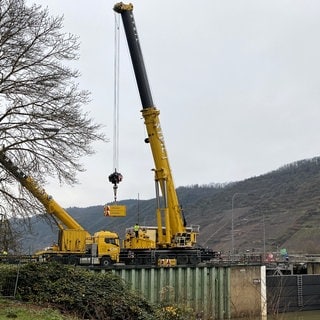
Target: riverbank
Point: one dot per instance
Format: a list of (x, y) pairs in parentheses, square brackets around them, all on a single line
[(12, 309)]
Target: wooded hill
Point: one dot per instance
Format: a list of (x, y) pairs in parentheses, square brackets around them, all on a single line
[(280, 209)]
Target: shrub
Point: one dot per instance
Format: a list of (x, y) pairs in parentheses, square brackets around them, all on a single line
[(83, 293)]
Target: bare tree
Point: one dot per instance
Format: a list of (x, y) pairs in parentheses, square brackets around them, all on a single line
[(43, 128), (9, 237)]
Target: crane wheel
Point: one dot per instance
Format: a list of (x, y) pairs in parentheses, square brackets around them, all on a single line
[(194, 260), (105, 262), (182, 260), (73, 260), (56, 259)]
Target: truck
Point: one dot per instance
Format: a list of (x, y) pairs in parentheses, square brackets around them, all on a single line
[(75, 244), (171, 241)]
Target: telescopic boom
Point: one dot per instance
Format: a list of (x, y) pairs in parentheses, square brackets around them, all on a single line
[(170, 220)]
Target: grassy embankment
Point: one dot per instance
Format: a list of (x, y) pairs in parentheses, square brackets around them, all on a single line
[(12, 309)]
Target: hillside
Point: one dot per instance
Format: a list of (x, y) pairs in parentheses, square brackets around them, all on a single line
[(279, 209)]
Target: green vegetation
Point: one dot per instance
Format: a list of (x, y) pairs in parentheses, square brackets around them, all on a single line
[(63, 290), (12, 309)]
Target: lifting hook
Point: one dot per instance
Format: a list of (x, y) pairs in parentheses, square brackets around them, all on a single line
[(115, 178)]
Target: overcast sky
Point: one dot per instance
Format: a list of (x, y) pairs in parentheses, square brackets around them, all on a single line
[(236, 82)]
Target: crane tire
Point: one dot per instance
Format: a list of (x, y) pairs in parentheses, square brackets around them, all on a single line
[(73, 260), (182, 259), (194, 260), (105, 261)]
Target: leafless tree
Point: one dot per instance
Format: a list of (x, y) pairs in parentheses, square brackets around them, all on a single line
[(9, 237), (43, 128)]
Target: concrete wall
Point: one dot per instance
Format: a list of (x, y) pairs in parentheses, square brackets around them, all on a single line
[(313, 268), (248, 291)]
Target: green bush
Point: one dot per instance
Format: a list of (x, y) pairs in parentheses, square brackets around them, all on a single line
[(85, 294), (80, 292)]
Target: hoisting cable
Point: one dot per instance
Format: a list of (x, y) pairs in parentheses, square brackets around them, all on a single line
[(116, 177)]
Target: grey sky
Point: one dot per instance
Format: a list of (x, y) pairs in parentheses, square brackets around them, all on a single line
[(237, 83)]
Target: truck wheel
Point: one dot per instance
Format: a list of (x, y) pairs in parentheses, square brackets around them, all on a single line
[(57, 259), (147, 261), (194, 260), (182, 260), (105, 261), (72, 260)]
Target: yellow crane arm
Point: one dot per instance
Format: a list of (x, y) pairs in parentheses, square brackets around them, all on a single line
[(173, 215), (170, 216), (38, 192)]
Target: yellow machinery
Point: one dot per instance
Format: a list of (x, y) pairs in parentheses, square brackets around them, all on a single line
[(75, 244), (170, 242), (171, 239)]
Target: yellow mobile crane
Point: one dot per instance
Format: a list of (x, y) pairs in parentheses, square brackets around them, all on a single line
[(75, 244), (171, 240)]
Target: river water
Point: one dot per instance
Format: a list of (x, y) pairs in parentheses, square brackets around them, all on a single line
[(303, 315)]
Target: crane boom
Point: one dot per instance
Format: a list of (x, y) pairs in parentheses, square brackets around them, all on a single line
[(136, 53), (38, 192), (171, 213), (75, 244)]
